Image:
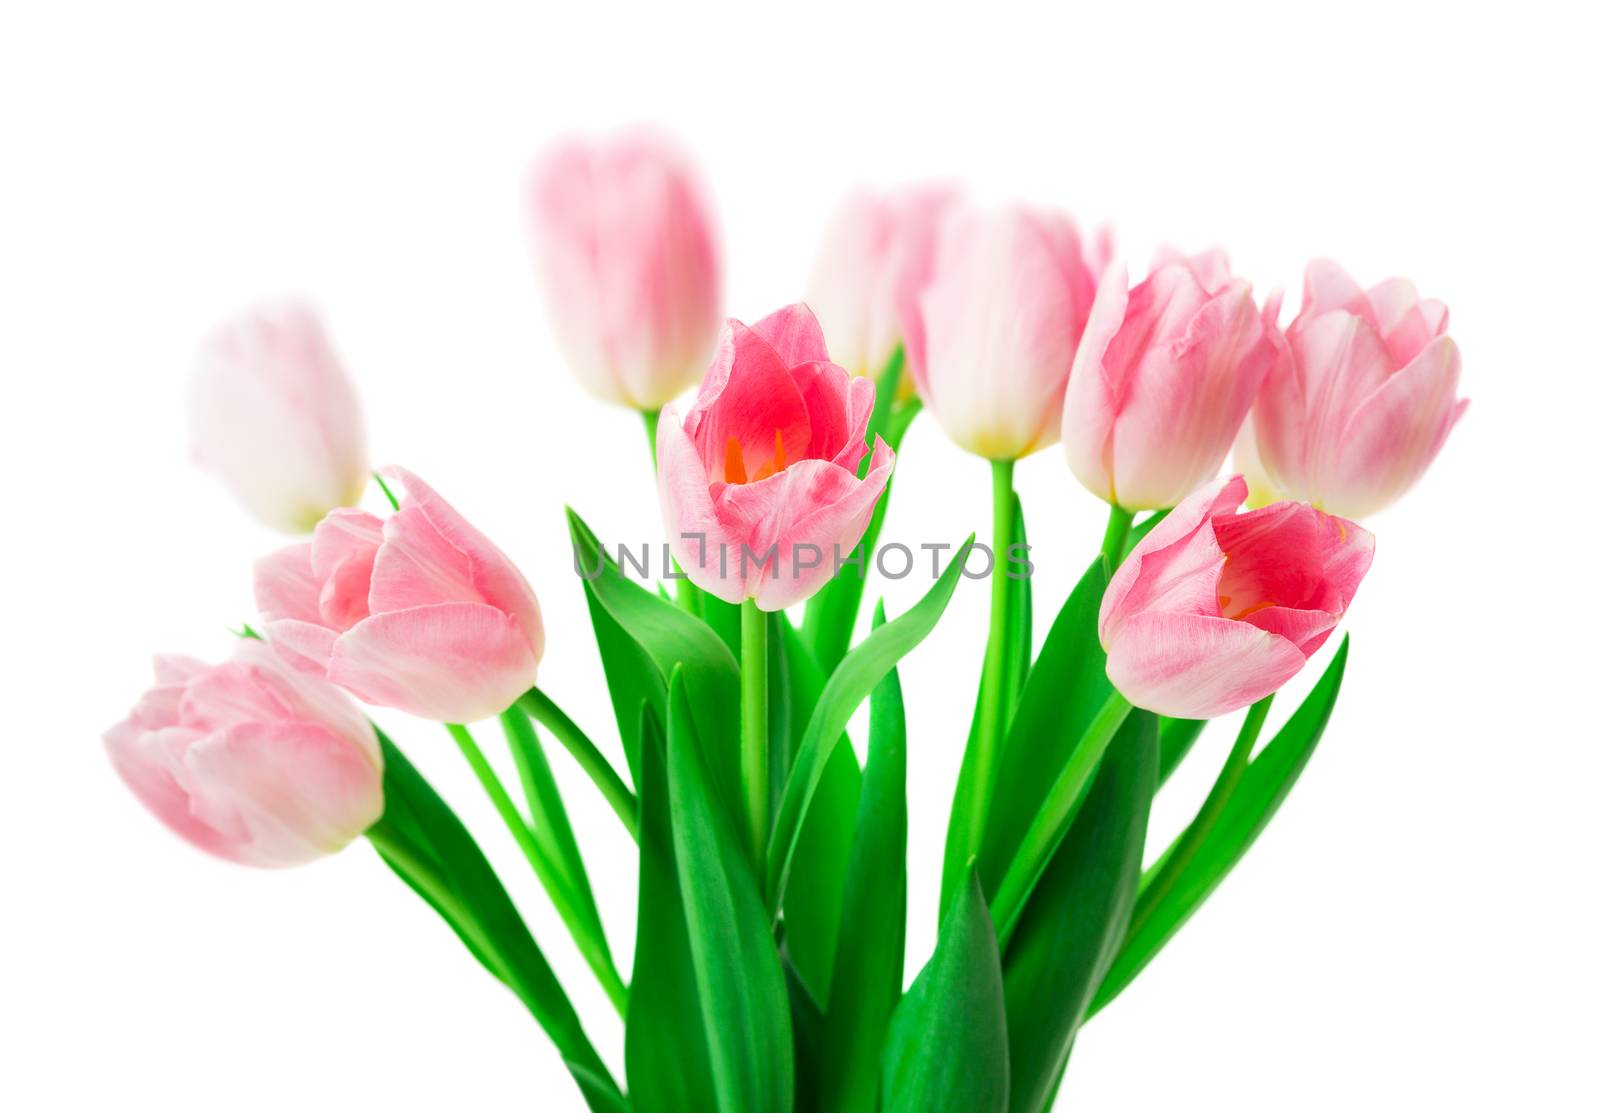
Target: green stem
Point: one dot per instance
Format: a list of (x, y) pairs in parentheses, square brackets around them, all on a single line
[(753, 724), (1115, 542), (1167, 873), (595, 951), (1055, 815), (652, 418), (993, 706), (589, 758)]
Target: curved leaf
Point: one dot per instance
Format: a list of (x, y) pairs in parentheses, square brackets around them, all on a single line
[(642, 639), (743, 998), (946, 1047), (665, 1050), (1262, 789), (1077, 916), (869, 966), (856, 676)]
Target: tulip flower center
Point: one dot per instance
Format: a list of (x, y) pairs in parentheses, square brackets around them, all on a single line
[(733, 462)]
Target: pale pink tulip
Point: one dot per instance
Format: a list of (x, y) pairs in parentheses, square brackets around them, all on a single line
[(417, 611), (993, 335), (1362, 409), (1164, 377), (876, 256), (251, 760), (758, 479), (273, 414), (1215, 609), (625, 239)]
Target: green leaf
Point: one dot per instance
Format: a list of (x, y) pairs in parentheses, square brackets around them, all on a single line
[(869, 964), (946, 1048), (816, 881), (856, 676), (1019, 623), (1065, 690), (1262, 789), (743, 998), (1075, 920), (814, 898), (460, 883), (805, 1015), (830, 617), (665, 1050), (662, 636)]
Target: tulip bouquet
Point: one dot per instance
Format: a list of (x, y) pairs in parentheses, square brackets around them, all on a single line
[(769, 969)]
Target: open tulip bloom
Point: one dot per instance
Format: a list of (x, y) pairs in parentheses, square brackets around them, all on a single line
[(769, 971)]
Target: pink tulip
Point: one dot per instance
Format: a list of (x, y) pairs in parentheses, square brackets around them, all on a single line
[(251, 760), (625, 240), (417, 611), (1215, 609), (993, 335), (875, 258), (273, 414), (758, 480), (1368, 399), (1164, 378)]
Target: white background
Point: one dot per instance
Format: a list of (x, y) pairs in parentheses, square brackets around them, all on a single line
[(1417, 929)]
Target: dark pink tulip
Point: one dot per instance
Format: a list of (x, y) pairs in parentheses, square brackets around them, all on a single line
[(758, 479), (251, 760), (417, 611), (1215, 609)]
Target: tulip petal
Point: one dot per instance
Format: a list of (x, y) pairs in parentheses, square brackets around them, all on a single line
[(1196, 667), (282, 793), (1089, 411), (752, 409), (703, 547), (307, 646), (497, 580), (793, 332), (285, 585), (1177, 529), (451, 662), (1398, 431), (1180, 413), (838, 407), (147, 761)]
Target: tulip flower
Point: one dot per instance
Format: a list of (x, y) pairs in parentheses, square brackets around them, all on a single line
[(1215, 609), (1164, 378), (875, 258), (992, 337), (758, 479), (624, 236), (273, 414), (251, 760), (1368, 399), (417, 611)]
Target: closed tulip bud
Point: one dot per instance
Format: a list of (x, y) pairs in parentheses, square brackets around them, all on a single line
[(417, 611), (273, 414), (758, 479), (1368, 399), (1164, 378), (625, 239), (1215, 609), (251, 760), (994, 333), (875, 258)]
